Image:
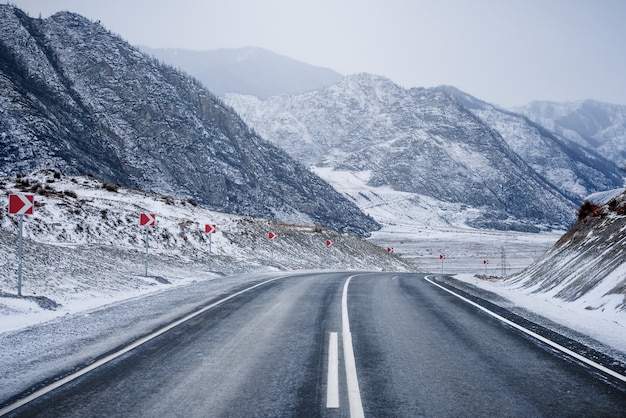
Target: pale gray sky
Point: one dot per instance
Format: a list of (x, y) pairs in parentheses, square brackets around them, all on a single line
[(506, 52)]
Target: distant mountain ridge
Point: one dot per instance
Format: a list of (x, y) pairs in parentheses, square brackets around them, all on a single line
[(247, 70), (601, 126), (574, 168), (102, 107), (436, 143)]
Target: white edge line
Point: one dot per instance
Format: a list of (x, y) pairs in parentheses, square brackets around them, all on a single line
[(535, 335), (332, 386), (354, 394), (124, 350)]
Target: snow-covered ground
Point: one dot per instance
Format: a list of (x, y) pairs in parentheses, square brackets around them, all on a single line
[(83, 247), (421, 229), (608, 326)]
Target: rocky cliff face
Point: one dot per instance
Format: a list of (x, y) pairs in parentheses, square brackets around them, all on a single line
[(76, 98), (437, 143)]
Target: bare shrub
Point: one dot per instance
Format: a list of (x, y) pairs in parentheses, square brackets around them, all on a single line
[(588, 209), (111, 187)]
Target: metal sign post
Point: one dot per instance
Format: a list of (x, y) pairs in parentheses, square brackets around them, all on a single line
[(146, 273), (272, 237), (19, 255), (389, 251), (20, 204), (146, 220), (210, 229), (329, 244), (442, 257)]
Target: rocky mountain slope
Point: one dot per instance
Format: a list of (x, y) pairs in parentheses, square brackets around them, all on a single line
[(248, 70), (601, 126), (587, 265), (499, 169), (79, 99), (576, 169)]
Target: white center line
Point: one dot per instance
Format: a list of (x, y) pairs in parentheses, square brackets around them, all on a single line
[(354, 394), (332, 387)]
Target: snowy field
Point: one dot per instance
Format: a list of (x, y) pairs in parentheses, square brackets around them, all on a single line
[(465, 250), (83, 247), (422, 229)]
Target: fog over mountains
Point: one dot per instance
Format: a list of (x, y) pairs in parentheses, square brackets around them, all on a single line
[(76, 98), (255, 71)]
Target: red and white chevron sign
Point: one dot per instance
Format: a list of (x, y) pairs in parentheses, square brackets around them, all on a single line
[(147, 219), (329, 243), (210, 228), (272, 235), (21, 204)]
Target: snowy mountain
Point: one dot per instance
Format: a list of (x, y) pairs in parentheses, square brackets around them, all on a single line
[(76, 98), (597, 125), (577, 170), (436, 149), (249, 70), (587, 266)]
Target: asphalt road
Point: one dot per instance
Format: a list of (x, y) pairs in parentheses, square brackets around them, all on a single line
[(382, 345)]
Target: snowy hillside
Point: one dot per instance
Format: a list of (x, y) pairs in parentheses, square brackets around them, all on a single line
[(84, 245), (498, 172), (577, 171), (580, 282), (76, 98), (588, 264)]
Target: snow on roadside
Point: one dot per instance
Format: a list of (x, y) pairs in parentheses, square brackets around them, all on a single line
[(84, 249), (83, 246), (607, 326), (57, 346)]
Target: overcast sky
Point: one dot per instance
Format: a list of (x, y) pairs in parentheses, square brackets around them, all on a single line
[(506, 52)]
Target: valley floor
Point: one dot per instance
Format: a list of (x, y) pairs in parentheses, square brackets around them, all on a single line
[(465, 250)]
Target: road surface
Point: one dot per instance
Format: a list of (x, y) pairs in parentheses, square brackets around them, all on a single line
[(337, 344)]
